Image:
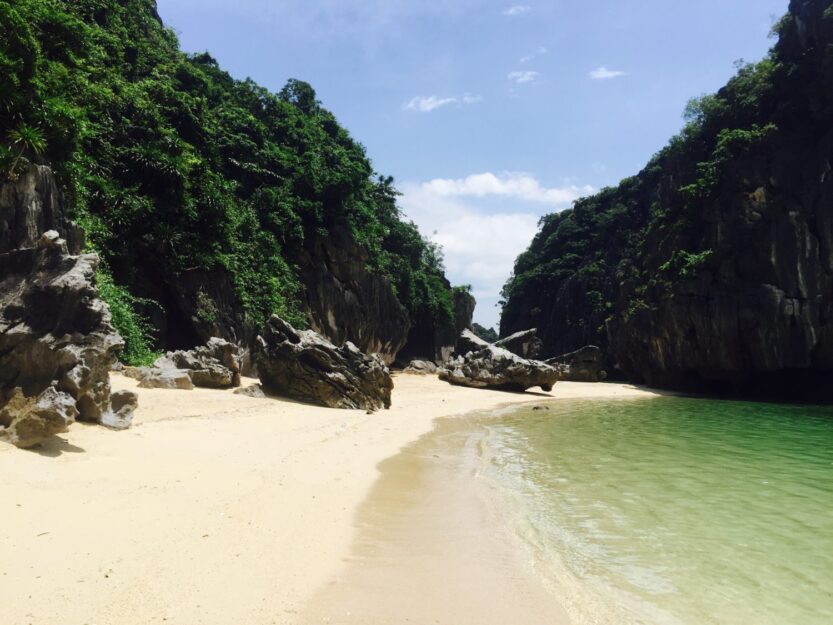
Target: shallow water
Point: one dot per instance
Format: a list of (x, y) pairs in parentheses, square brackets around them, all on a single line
[(675, 510)]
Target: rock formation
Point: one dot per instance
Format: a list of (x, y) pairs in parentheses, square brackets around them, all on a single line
[(712, 269), (467, 342), (583, 365), (497, 368), (57, 344), (421, 367), (166, 377), (305, 366), (525, 343), (214, 365), (346, 302)]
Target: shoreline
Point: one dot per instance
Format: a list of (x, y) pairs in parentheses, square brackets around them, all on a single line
[(209, 496)]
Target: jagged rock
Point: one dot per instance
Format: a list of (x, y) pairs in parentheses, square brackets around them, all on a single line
[(161, 377), (27, 421), (253, 390), (583, 365), (214, 365), (120, 415), (304, 365), (421, 367), (497, 368), (525, 344), (467, 342), (57, 344), (464, 305), (345, 301)]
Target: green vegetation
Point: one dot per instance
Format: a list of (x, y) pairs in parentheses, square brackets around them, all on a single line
[(487, 334), (623, 251), (171, 164)]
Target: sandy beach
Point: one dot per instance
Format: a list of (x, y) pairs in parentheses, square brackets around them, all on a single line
[(216, 508)]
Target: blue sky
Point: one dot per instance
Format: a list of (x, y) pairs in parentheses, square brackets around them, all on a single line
[(489, 114)]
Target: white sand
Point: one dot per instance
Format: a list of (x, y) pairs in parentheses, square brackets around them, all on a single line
[(213, 509)]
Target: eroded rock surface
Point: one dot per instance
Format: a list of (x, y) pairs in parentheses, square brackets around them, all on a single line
[(421, 367), (57, 343), (467, 342), (303, 365), (497, 368), (214, 365), (583, 365), (525, 344)]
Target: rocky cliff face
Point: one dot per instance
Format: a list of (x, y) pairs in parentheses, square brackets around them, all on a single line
[(713, 268), (346, 302), (56, 341)]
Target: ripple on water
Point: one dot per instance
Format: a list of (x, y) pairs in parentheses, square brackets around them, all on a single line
[(678, 510)]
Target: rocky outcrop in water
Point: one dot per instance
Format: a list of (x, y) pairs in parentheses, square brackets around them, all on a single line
[(583, 365), (303, 365), (57, 344), (497, 368)]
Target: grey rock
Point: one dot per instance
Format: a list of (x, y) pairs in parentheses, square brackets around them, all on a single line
[(421, 367), (28, 421), (304, 365), (525, 344), (467, 342), (57, 343), (161, 377), (120, 415), (583, 365), (497, 368), (253, 390), (214, 365)]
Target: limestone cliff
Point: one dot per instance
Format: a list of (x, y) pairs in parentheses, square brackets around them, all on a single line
[(713, 268)]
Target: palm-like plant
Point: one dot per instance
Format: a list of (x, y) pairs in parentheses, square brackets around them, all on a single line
[(26, 139)]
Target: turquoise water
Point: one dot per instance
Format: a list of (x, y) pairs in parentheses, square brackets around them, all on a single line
[(676, 510)]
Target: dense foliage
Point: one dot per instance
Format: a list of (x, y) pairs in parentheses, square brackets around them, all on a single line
[(171, 164), (629, 248)]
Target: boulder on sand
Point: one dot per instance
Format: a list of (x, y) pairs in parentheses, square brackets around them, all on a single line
[(167, 377), (421, 367), (213, 365), (57, 343), (303, 365), (496, 368)]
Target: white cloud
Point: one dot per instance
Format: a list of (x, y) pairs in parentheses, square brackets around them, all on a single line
[(518, 9), (540, 51), (480, 237), (426, 104), (522, 77), (602, 73), (515, 185)]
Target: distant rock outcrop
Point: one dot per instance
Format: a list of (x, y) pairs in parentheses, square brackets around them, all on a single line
[(303, 365), (497, 368), (467, 342), (525, 344), (57, 344), (583, 365)]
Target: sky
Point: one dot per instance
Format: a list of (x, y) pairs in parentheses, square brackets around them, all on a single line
[(489, 114)]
